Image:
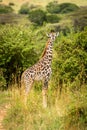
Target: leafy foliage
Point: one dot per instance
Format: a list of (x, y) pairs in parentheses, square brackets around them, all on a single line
[(71, 62), (14, 52)]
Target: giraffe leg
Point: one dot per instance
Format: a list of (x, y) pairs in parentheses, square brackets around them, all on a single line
[(28, 87), (44, 93)]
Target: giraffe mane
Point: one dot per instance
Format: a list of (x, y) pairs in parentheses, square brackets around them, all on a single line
[(44, 51)]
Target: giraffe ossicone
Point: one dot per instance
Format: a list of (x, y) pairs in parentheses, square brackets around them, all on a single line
[(40, 71)]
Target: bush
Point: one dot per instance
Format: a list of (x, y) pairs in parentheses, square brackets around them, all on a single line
[(54, 7), (71, 60), (14, 50), (37, 16), (52, 18), (82, 39), (5, 9), (24, 9), (67, 7)]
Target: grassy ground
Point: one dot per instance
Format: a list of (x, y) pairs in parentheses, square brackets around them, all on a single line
[(34, 117), (58, 115)]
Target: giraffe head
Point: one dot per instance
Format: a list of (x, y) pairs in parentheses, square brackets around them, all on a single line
[(53, 35)]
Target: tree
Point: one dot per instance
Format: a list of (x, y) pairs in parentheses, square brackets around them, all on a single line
[(15, 52), (37, 16)]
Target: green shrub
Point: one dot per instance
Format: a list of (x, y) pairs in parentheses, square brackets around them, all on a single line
[(5, 9), (52, 18), (16, 48), (67, 7), (24, 9), (71, 60), (54, 7), (37, 16), (82, 39)]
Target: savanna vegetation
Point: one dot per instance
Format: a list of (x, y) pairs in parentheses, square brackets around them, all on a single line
[(22, 41)]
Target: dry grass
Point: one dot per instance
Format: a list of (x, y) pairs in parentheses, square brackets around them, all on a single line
[(35, 117)]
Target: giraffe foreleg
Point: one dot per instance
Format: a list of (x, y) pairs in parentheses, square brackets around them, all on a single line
[(27, 90), (44, 93)]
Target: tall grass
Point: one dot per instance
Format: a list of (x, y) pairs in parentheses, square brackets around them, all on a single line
[(4, 98), (63, 113)]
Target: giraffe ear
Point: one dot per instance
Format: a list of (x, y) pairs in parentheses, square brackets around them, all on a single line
[(57, 34)]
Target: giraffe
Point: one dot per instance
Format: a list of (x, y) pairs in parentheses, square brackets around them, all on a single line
[(40, 71)]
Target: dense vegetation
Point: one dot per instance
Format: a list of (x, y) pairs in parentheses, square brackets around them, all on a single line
[(21, 44)]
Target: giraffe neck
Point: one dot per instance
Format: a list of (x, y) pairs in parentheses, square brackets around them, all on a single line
[(48, 51)]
